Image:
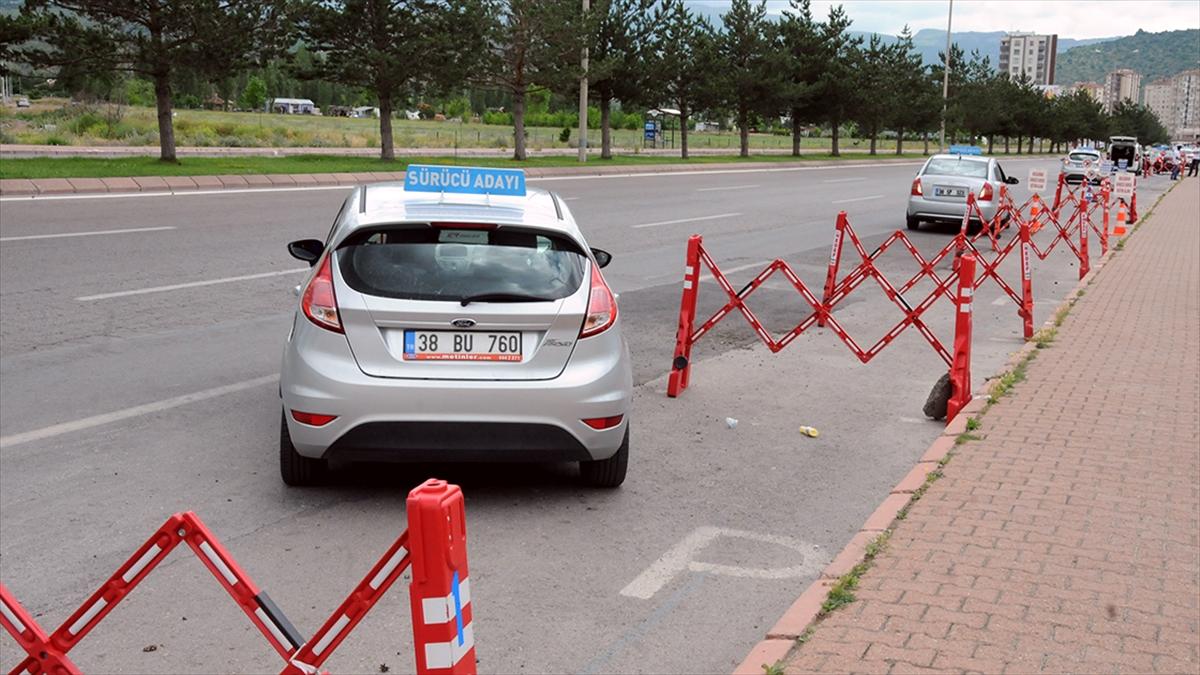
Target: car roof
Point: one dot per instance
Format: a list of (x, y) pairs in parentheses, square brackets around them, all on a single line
[(1089, 150), (971, 158), (387, 203)]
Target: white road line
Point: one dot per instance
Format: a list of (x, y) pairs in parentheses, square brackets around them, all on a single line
[(843, 180), (857, 199), (571, 199), (60, 235), (193, 284), (728, 187), (135, 411), (685, 220), (760, 265), (181, 193)]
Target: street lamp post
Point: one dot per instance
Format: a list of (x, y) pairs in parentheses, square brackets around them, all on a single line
[(945, 75), (583, 98)]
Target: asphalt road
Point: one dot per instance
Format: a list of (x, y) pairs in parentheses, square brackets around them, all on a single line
[(137, 377)]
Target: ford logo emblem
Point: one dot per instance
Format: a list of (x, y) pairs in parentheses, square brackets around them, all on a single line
[(462, 323)]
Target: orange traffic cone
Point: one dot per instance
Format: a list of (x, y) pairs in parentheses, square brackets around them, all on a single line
[(1122, 216)]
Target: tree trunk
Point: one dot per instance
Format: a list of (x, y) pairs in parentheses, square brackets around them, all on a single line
[(744, 132), (925, 135), (991, 141), (166, 125), (387, 150), (1020, 144), (683, 130), (1031, 145), (899, 141), (874, 136), (833, 146), (605, 129), (518, 114), (795, 132), (1006, 145)]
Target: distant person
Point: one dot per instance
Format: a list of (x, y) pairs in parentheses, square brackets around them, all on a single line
[(1193, 161), (1177, 154)]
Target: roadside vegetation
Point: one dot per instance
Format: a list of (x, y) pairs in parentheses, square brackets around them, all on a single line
[(514, 67)]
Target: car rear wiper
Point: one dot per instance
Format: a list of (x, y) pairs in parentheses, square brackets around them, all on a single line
[(503, 297)]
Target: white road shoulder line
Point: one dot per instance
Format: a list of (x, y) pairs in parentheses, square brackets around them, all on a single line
[(180, 193), (193, 284), (135, 411), (843, 180), (685, 220), (61, 235), (728, 187), (857, 199)]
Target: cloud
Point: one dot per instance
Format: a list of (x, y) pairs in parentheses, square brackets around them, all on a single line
[(1068, 18)]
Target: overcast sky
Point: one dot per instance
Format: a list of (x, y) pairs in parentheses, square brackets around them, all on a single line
[(1067, 18)]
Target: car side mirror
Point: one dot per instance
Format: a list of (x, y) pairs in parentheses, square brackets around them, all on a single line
[(308, 250), (602, 257), (1012, 180)]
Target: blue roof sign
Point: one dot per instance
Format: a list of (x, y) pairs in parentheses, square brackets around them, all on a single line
[(472, 180), (966, 150)]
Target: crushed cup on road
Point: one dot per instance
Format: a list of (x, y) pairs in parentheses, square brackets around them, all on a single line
[(811, 432), (730, 422)]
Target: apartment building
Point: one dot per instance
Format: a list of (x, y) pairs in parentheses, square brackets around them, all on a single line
[(1176, 102), (1122, 85), (1029, 54)]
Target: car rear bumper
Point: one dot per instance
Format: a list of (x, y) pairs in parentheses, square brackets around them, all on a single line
[(928, 209), (393, 419)]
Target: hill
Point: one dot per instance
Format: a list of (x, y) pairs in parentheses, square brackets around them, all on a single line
[(1154, 55)]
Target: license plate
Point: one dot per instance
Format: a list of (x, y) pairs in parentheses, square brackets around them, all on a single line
[(444, 345), (949, 192)]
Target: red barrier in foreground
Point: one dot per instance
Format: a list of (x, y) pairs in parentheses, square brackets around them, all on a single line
[(436, 537)]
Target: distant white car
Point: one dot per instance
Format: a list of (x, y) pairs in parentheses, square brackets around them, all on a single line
[(1079, 163), (22, 102)]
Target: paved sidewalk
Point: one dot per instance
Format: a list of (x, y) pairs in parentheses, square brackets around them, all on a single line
[(1068, 539)]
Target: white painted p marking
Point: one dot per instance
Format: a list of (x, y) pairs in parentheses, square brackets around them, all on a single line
[(681, 559)]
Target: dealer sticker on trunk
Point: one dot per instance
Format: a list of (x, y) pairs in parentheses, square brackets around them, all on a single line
[(440, 345)]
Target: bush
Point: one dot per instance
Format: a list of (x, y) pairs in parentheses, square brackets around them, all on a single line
[(55, 139), (498, 118), (565, 135)]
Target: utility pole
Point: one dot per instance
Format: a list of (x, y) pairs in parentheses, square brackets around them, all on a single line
[(945, 75), (583, 97)]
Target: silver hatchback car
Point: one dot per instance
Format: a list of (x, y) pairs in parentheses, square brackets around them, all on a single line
[(939, 191), (443, 326)]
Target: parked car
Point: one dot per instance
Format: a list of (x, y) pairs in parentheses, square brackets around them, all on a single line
[(22, 102), (1082, 164), (1126, 149), (454, 327), (939, 191)]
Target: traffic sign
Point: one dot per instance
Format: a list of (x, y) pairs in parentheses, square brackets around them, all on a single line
[(966, 150), (1123, 185), (464, 180), (1037, 180)]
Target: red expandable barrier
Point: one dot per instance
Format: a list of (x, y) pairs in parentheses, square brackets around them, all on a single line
[(960, 369), (48, 654)]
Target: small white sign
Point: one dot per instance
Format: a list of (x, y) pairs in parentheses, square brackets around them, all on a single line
[(1037, 180), (1123, 184)]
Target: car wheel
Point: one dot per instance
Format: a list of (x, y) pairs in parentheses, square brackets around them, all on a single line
[(912, 222), (296, 469), (607, 473)]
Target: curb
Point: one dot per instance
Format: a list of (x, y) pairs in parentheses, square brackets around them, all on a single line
[(781, 639), (34, 187)]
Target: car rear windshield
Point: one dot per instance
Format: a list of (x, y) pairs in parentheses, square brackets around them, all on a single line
[(423, 262), (1083, 156), (957, 167)]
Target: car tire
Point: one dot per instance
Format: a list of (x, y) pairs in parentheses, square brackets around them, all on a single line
[(912, 222), (296, 469), (607, 473)]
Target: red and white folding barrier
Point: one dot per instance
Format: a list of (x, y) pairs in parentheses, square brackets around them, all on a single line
[(434, 544)]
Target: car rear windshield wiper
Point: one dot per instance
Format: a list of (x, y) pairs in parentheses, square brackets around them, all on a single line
[(503, 297)]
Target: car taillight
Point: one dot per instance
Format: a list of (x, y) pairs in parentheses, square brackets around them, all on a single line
[(602, 307), (916, 188), (319, 303), (985, 195), (312, 419), (602, 423)]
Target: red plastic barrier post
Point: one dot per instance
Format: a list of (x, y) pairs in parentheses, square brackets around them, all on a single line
[(681, 364), (1105, 192), (43, 657), (835, 260), (1026, 280), (1085, 222), (1133, 216), (960, 368), (443, 638), (1058, 193)]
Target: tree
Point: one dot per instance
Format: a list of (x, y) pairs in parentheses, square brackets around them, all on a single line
[(875, 71), (155, 39), (749, 82), (836, 89), (800, 62), (254, 94), (529, 44), (916, 101), (951, 106), (1131, 119), (686, 51), (617, 52), (393, 48)]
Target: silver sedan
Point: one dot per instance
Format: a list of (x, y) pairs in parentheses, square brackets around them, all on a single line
[(939, 191), (454, 327)]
